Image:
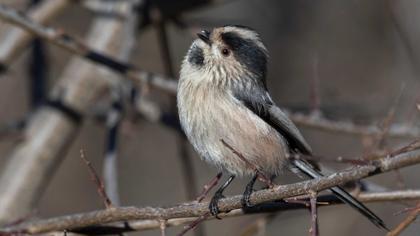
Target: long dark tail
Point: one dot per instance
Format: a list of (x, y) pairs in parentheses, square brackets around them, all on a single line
[(341, 194)]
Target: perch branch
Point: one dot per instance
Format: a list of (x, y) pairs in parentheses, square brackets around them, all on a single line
[(139, 225), (195, 209)]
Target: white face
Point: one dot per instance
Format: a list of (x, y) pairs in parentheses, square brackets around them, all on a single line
[(227, 53), (215, 53)]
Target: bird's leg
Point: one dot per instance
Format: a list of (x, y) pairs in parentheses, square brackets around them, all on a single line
[(248, 191), (214, 209), (209, 186)]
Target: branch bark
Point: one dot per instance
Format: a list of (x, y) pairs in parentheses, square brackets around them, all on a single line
[(195, 209)]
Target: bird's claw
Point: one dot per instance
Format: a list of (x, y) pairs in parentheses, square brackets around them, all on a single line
[(213, 206), (245, 201), (246, 197)]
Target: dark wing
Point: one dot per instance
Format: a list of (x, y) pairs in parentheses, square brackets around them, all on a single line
[(281, 122), (259, 102)]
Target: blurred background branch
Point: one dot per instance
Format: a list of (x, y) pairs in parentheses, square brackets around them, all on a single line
[(53, 127)]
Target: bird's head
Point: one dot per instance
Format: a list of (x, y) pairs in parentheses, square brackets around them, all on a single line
[(227, 53)]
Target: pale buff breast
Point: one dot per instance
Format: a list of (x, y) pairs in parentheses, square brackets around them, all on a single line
[(213, 115)]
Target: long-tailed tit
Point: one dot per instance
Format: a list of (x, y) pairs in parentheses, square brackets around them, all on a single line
[(223, 97)]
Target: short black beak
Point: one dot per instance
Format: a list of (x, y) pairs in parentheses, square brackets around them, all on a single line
[(205, 36)]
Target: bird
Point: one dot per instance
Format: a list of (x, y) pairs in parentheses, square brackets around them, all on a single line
[(224, 105)]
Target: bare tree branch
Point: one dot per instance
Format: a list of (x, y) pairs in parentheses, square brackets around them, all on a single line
[(195, 209), (51, 129), (406, 222), (97, 181), (314, 230), (345, 127), (139, 225), (78, 47), (14, 40)]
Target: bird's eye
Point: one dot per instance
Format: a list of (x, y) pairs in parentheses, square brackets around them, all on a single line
[(225, 52)]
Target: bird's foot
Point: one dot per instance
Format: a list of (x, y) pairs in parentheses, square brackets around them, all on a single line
[(245, 201), (213, 206)]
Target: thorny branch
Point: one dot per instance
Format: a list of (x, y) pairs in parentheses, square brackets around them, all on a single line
[(97, 181), (195, 209), (406, 222), (271, 207)]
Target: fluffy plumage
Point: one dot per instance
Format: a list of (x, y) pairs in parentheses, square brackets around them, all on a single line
[(222, 94)]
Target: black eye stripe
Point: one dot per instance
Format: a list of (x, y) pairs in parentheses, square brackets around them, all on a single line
[(196, 56), (247, 52)]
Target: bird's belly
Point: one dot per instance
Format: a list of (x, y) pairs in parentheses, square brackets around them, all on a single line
[(259, 144)]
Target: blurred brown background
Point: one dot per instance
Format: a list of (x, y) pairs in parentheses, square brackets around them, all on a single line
[(363, 52)]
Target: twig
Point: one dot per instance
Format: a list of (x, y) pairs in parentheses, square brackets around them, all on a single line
[(78, 47), (385, 125), (194, 209), (410, 147), (261, 176), (206, 189), (97, 181), (345, 127), (406, 222), (314, 231), (194, 223), (14, 40)]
